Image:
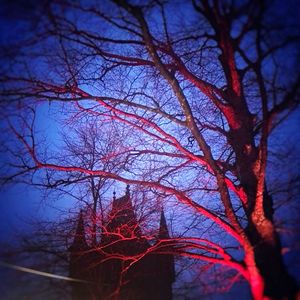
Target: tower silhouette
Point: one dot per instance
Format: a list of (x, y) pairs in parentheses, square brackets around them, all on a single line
[(121, 266)]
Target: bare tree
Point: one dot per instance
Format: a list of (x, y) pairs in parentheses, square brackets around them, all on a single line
[(202, 86), (88, 147)]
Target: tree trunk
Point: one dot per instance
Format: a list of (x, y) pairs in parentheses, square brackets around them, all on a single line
[(261, 232), (278, 283)]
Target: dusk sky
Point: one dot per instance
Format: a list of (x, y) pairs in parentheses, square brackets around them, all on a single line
[(106, 79)]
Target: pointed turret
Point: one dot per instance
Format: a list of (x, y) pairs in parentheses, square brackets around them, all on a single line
[(79, 261), (163, 232), (165, 262), (79, 242)]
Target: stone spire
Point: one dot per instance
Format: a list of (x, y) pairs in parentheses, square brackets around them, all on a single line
[(165, 266), (79, 242), (163, 232)]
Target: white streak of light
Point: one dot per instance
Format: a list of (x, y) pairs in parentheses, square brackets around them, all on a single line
[(40, 273)]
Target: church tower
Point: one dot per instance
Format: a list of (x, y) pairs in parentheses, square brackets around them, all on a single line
[(149, 277)]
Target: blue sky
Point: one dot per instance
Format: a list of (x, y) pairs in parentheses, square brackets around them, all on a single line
[(19, 202)]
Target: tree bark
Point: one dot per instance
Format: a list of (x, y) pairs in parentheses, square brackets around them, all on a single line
[(278, 284)]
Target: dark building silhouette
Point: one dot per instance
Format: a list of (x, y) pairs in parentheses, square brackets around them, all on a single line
[(107, 271)]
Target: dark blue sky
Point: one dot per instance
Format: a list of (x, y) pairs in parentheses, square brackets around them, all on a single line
[(19, 202)]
